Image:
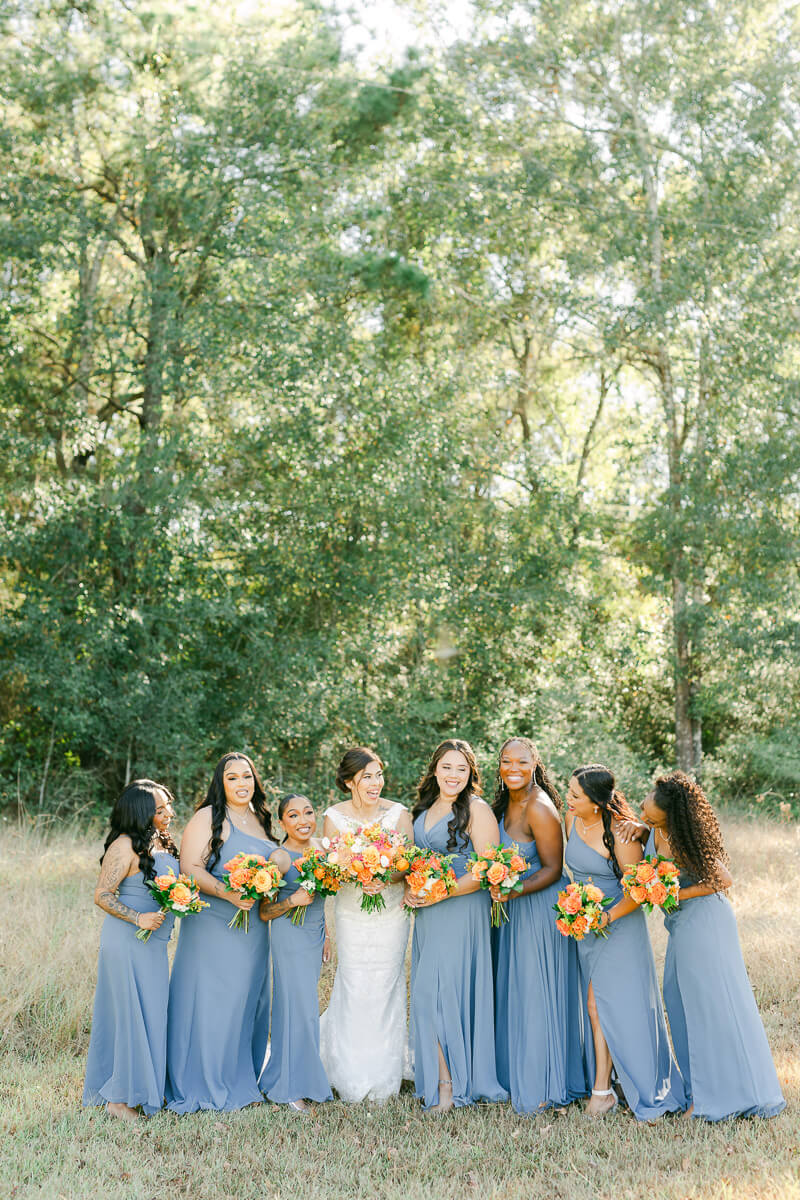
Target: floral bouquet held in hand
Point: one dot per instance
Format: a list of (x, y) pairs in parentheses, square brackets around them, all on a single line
[(370, 854), (253, 877), (318, 876), (579, 910), (430, 875), (178, 894), (654, 883), (501, 867)]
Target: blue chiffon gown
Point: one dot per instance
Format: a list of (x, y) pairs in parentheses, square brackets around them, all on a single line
[(622, 971), (294, 1070), (539, 1031), (452, 1002), (219, 1001), (128, 1046), (717, 1033)]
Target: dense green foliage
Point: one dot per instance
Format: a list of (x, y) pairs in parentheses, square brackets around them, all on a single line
[(455, 395)]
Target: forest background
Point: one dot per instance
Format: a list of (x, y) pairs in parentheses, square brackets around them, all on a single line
[(387, 389)]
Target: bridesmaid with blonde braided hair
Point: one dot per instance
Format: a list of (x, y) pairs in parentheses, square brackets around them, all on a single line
[(719, 1040)]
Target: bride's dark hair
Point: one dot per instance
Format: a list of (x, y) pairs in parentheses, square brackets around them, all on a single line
[(215, 800), (428, 792)]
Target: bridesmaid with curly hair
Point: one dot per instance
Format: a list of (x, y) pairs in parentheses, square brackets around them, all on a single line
[(128, 1048), (219, 991), (716, 1028)]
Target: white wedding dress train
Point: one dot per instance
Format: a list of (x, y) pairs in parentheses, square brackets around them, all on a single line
[(364, 1030)]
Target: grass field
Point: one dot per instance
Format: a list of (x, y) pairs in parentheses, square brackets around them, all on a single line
[(52, 1148)]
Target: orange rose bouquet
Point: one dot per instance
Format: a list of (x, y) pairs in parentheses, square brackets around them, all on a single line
[(654, 883), (430, 875), (370, 853), (579, 910), (498, 866), (252, 876), (318, 877), (178, 894)]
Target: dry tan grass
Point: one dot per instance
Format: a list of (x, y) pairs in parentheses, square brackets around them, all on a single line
[(49, 934)]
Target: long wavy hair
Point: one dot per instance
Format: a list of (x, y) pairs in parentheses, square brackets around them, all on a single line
[(600, 786), (540, 778), (133, 814), (692, 827), (428, 792), (215, 800)]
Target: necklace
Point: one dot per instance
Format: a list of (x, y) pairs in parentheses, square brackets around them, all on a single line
[(593, 825), (244, 817)]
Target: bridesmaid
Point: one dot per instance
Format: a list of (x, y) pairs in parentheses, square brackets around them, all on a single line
[(128, 1047), (219, 991), (537, 984), (294, 1070), (629, 1032), (452, 1003), (717, 1033)]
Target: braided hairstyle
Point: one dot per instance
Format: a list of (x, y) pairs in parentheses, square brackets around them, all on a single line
[(692, 827), (133, 814), (428, 792), (540, 778), (215, 800), (598, 783)]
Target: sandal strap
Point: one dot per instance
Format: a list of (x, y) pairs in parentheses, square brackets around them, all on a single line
[(607, 1092)]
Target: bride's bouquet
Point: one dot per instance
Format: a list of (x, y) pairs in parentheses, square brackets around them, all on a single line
[(371, 853)]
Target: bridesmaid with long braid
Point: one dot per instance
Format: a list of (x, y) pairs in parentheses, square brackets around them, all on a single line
[(128, 1047), (294, 1072), (540, 1058), (719, 1039), (219, 991), (629, 1032)]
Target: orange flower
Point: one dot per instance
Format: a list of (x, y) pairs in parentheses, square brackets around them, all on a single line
[(562, 926), (263, 881), (572, 903), (180, 894), (438, 889), (162, 882), (371, 858), (667, 868), (319, 873), (401, 864), (579, 927), (593, 893), (517, 862), (645, 872), (637, 893), (496, 873), (434, 863), (239, 878), (478, 869), (658, 893)]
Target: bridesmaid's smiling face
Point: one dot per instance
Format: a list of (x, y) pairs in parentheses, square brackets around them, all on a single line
[(517, 766), (452, 774), (367, 785), (238, 783), (298, 819), (164, 812), (578, 802)]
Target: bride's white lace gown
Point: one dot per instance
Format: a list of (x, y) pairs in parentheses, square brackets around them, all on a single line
[(364, 1031)]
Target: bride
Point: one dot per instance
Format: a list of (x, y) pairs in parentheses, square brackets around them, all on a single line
[(363, 1033)]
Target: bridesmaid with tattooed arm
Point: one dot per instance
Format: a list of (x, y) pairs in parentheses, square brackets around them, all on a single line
[(127, 1058)]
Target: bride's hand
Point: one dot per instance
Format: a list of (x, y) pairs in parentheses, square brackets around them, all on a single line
[(372, 889), (411, 900)]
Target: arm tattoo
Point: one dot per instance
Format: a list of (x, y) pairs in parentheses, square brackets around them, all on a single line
[(113, 871)]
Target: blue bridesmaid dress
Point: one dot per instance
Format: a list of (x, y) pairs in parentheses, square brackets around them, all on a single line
[(219, 1001), (717, 1033), (623, 974), (452, 1003), (128, 1047), (294, 1070), (539, 1014)]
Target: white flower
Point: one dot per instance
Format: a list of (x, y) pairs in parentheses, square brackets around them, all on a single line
[(385, 862), (326, 843)]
